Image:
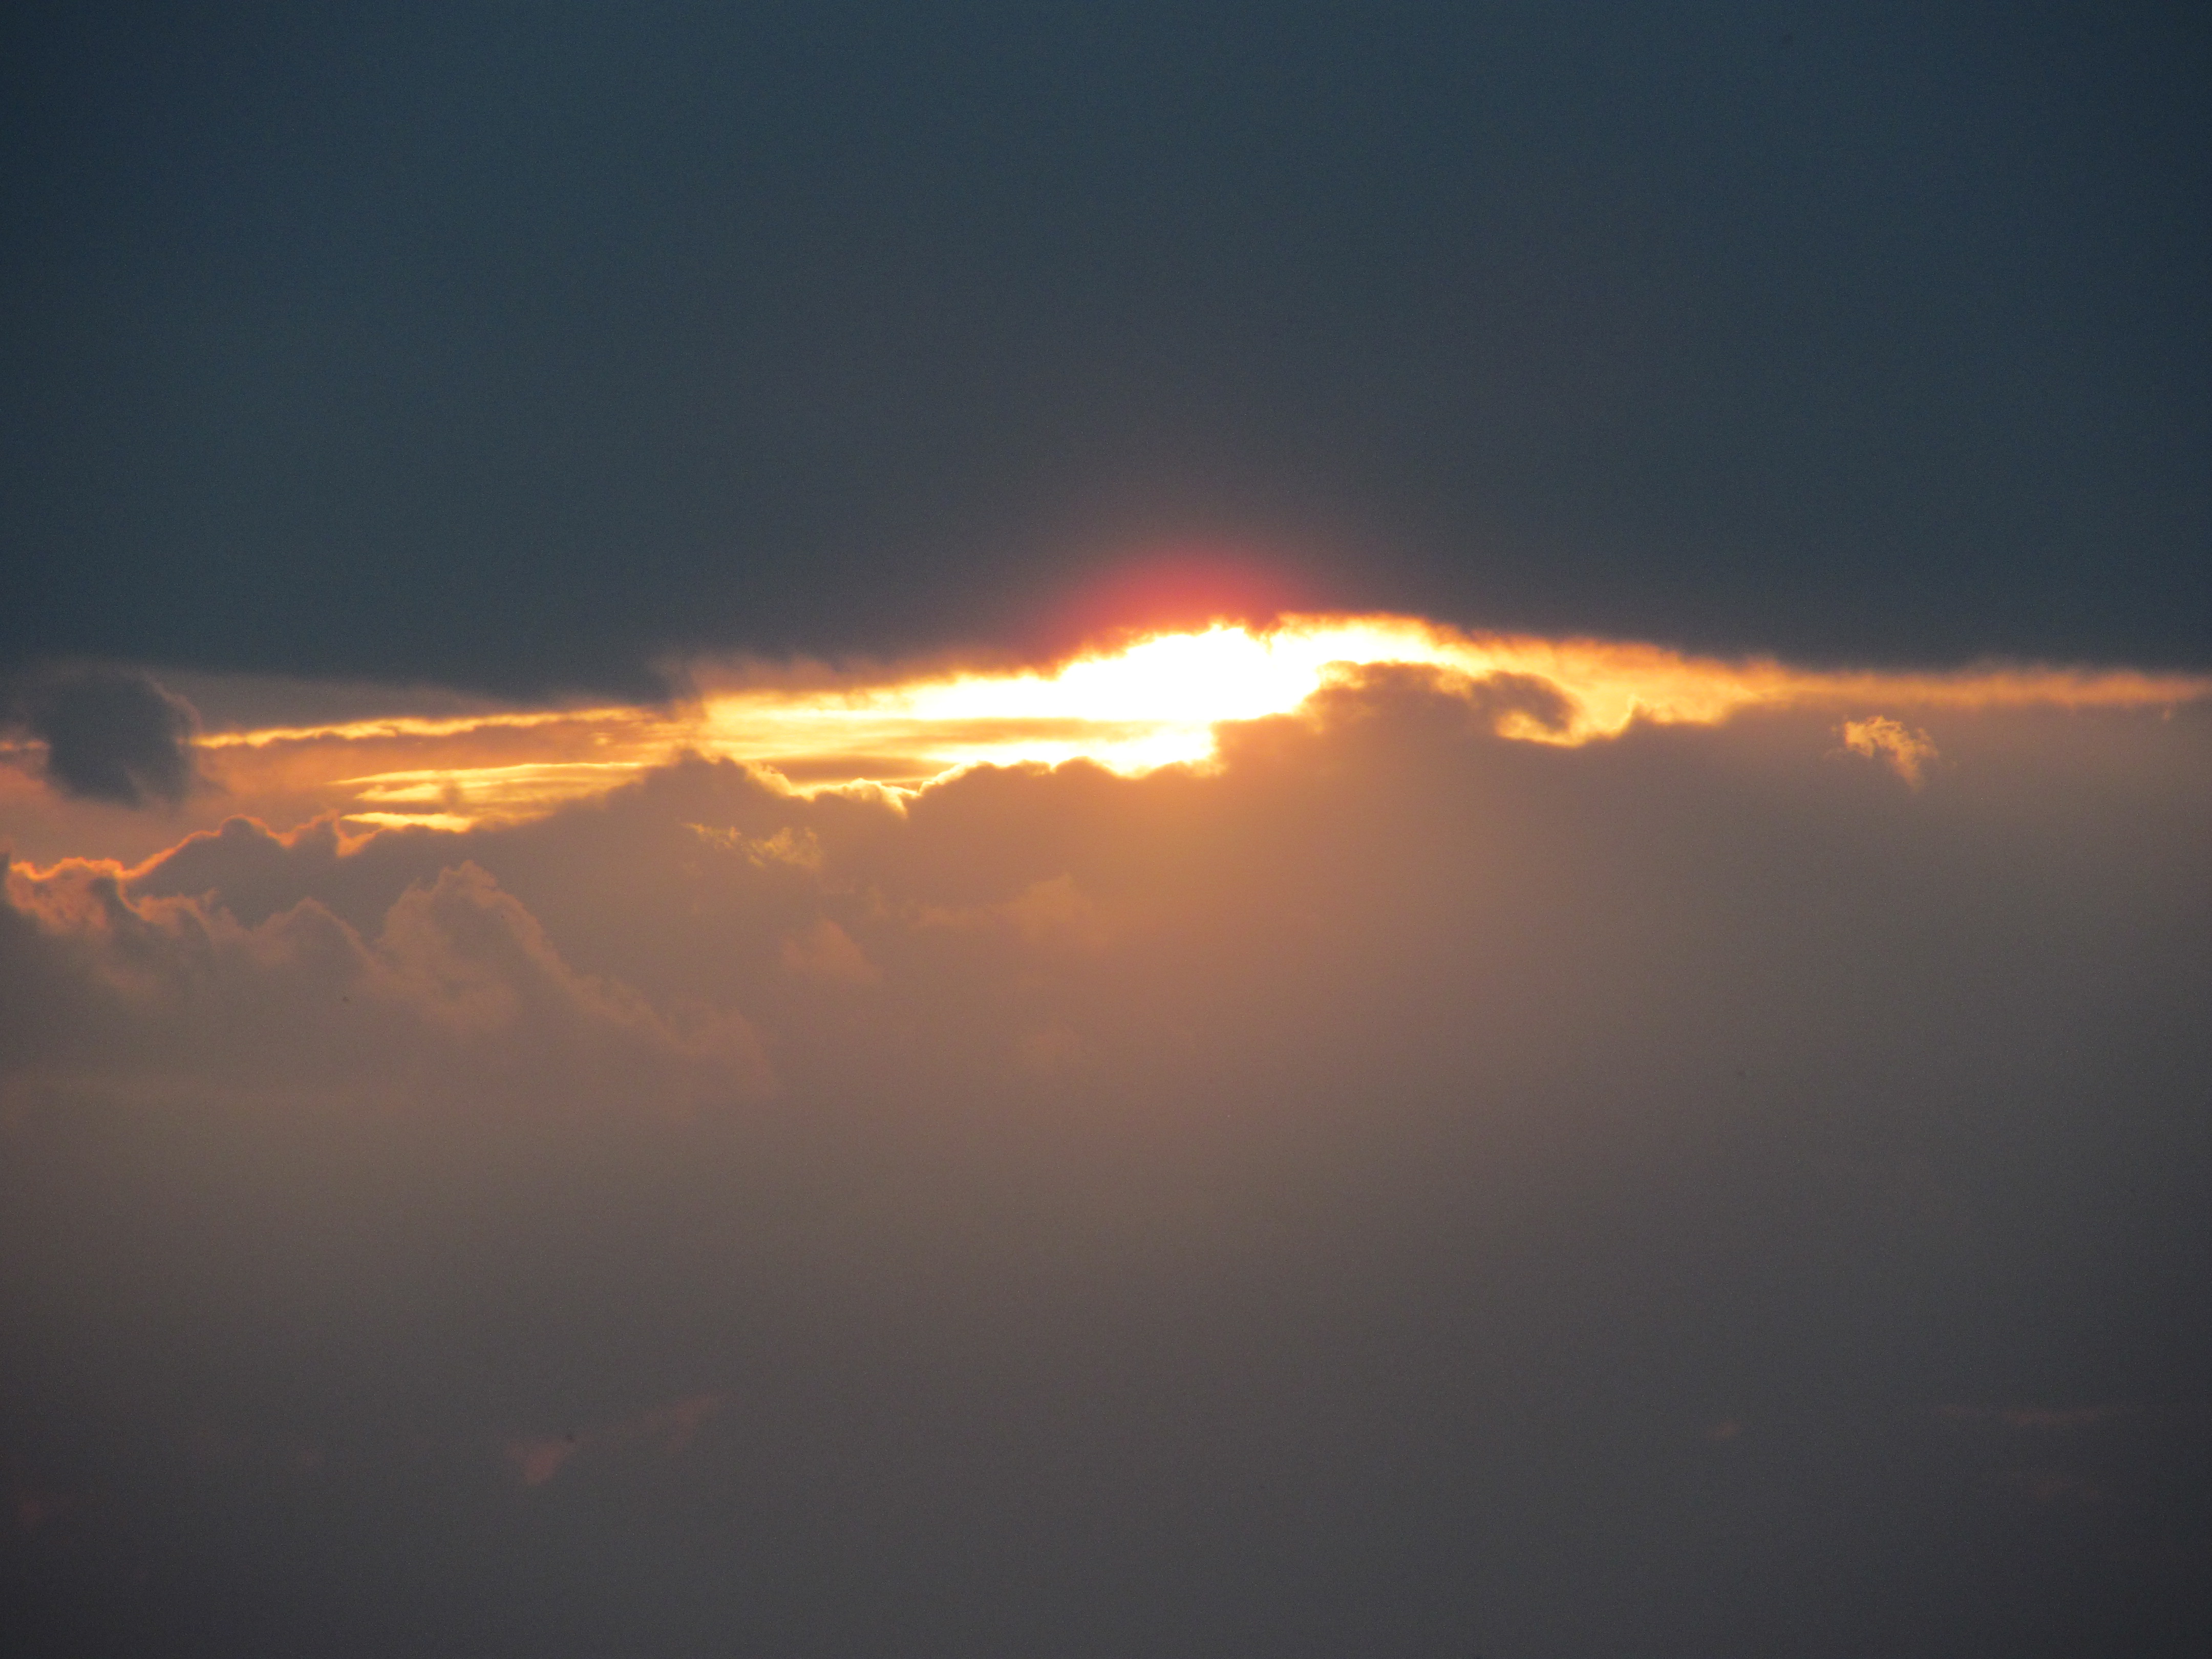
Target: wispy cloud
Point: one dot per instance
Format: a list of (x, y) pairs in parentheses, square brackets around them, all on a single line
[(665, 1429), (1906, 752)]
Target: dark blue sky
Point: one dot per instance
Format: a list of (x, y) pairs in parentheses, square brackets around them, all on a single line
[(517, 346)]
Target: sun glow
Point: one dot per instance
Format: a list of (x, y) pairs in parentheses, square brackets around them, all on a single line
[(1157, 702), (1151, 703), (1136, 705)]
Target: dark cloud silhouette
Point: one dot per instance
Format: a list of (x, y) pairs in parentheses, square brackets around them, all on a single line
[(110, 734)]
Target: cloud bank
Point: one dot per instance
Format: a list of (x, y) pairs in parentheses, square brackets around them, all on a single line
[(1398, 1187), (400, 755)]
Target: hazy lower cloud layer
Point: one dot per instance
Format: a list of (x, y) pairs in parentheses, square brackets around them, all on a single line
[(1508, 1148)]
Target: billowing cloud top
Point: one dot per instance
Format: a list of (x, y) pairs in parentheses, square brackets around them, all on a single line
[(1497, 1146)]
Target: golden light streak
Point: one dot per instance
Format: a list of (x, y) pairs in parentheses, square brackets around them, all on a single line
[(1137, 706), (1156, 702), (489, 789), (413, 726), (1141, 705)]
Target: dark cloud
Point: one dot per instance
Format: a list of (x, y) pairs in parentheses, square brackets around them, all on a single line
[(110, 734), (1402, 1191), (442, 342)]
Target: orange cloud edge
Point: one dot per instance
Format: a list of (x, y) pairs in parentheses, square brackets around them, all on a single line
[(1131, 703)]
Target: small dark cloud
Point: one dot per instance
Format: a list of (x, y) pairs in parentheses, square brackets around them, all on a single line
[(112, 734)]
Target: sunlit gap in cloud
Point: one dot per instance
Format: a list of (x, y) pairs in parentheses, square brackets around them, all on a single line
[(1133, 706), (1151, 703), (1157, 702)]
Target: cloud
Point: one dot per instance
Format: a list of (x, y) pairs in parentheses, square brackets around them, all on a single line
[(826, 951), (667, 1429), (1157, 701), (1385, 1157), (458, 990), (538, 1461), (110, 734), (1908, 753)]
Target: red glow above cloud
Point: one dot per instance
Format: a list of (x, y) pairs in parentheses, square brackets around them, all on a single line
[(1180, 589)]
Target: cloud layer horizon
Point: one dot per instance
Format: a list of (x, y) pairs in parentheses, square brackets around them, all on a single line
[(1395, 1186)]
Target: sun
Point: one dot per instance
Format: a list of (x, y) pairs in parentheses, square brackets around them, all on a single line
[(1151, 702)]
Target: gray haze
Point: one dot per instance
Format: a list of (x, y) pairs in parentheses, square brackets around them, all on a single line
[(1404, 1193)]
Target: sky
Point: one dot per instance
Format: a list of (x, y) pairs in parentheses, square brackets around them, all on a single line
[(1127, 831)]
